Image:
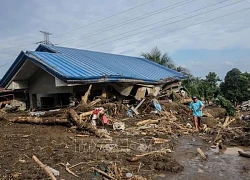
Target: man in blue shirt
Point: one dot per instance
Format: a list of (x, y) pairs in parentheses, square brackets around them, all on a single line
[(196, 107)]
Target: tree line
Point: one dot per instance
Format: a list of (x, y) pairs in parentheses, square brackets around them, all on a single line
[(233, 90)]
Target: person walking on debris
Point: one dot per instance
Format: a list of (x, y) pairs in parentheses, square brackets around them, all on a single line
[(196, 107)]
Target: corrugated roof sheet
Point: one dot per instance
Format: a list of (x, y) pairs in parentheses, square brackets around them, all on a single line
[(82, 65)]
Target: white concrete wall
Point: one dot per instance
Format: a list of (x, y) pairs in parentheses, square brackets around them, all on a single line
[(44, 83)]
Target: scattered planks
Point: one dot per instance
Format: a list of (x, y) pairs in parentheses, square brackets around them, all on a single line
[(150, 121), (159, 140), (38, 120), (244, 154), (138, 157), (44, 167), (83, 125)]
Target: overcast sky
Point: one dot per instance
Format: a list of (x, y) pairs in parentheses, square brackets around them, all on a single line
[(190, 39)]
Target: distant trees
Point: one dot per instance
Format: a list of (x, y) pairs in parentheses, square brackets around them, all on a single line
[(162, 59), (206, 89), (235, 88)]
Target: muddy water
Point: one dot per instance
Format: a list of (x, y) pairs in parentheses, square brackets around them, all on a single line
[(219, 166)]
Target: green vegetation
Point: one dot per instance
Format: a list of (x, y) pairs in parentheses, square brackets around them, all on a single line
[(232, 91)]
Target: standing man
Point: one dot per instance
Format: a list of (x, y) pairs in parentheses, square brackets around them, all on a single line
[(196, 107)]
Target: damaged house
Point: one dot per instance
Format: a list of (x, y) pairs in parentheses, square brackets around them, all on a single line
[(57, 76)]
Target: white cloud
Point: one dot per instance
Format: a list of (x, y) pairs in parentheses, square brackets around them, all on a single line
[(22, 24), (228, 63), (195, 63)]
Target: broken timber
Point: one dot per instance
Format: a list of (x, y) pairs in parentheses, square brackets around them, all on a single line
[(150, 121), (84, 125), (86, 95), (44, 167), (202, 153), (135, 109)]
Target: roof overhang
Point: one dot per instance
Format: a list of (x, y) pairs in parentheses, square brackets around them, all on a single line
[(26, 63)]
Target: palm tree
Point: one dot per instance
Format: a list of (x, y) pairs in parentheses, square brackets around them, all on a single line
[(156, 56), (183, 70)]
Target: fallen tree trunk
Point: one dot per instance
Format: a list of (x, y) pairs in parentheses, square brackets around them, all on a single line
[(82, 115), (83, 125), (38, 120), (53, 113)]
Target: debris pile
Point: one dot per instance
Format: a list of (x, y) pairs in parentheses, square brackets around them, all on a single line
[(133, 141), (237, 135)]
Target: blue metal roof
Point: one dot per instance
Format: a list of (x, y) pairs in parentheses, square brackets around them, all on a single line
[(71, 64)]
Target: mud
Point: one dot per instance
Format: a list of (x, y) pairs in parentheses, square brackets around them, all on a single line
[(58, 144), (220, 164)]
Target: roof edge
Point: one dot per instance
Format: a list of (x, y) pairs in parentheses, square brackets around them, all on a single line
[(42, 48), (13, 69)]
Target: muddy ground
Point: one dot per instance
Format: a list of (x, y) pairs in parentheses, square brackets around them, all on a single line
[(220, 164), (57, 144)]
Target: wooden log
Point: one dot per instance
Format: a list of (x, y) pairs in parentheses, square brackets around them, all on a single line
[(54, 113), (94, 102), (244, 154), (75, 119), (38, 120), (82, 115), (44, 167), (202, 153), (139, 156), (86, 95), (150, 121), (159, 140)]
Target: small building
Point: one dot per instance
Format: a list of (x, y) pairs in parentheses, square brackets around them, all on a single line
[(53, 75)]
